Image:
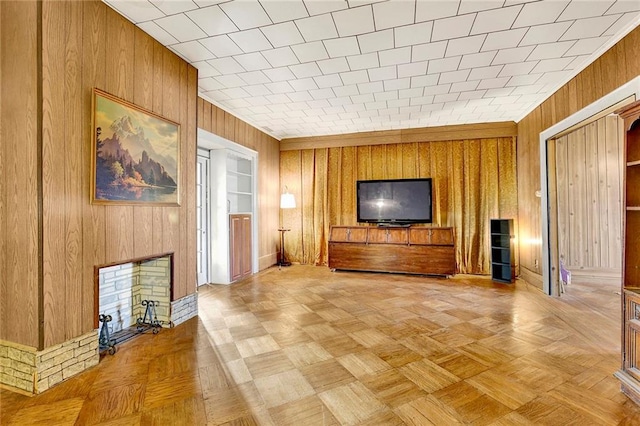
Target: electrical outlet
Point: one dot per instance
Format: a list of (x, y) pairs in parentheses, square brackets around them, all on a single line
[(535, 263)]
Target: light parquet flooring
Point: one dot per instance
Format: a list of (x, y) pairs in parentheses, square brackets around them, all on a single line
[(305, 346)]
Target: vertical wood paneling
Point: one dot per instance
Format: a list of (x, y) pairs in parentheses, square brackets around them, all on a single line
[(192, 97), (73, 169), (93, 220), (55, 22), (589, 177), (19, 264), (617, 66)]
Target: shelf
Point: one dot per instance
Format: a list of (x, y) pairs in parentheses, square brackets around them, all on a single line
[(236, 173), (238, 193), (633, 163), (633, 208)]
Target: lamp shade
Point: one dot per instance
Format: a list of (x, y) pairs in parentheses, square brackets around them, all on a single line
[(287, 201)]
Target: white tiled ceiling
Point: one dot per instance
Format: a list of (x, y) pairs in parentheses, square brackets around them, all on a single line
[(317, 67)]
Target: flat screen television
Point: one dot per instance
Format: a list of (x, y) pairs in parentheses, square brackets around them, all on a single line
[(394, 201)]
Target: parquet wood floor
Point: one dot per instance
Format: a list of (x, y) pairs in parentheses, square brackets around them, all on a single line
[(305, 346)]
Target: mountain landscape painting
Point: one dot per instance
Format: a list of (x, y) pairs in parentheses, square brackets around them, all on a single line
[(136, 154)]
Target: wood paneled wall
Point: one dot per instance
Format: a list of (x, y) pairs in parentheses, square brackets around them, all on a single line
[(615, 67), (589, 195), (87, 45), (218, 121), (19, 184)]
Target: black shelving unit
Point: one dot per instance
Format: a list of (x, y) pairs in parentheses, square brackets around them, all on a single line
[(503, 268)]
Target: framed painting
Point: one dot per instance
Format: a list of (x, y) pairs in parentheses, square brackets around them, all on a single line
[(136, 154)]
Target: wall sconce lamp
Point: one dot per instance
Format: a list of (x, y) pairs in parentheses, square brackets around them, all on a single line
[(287, 201)]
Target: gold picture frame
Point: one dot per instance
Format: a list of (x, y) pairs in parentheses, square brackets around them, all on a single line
[(135, 154)]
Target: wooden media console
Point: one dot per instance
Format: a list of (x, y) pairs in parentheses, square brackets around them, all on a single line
[(410, 250)]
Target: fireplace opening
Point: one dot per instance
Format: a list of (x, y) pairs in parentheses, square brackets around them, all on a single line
[(132, 297)]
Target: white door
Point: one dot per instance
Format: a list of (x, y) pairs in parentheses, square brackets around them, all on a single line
[(202, 218)]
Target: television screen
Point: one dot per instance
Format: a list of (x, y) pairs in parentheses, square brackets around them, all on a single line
[(399, 201)]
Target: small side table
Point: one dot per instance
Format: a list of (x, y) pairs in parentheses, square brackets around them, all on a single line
[(283, 258)]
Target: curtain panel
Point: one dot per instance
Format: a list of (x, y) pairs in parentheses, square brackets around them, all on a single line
[(473, 181)]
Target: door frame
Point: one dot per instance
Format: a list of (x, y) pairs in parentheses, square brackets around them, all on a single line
[(629, 90), (202, 156)]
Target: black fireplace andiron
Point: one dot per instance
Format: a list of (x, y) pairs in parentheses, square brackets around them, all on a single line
[(150, 319), (105, 341)]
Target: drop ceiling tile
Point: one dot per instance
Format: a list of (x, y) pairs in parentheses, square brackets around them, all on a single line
[(205, 69), (212, 20), (359, 62), (318, 7), (465, 45), (379, 40), (448, 28), (585, 9), (437, 90), (221, 46), (252, 61), (545, 33), (449, 97), (324, 81), (280, 87), (281, 11), (401, 83), (174, 6), (341, 101), (424, 80), (409, 35), (423, 52), (548, 65), (443, 65), (464, 86), (250, 40), (236, 103), (303, 84), (157, 32), (432, 10), (181, 28), (236, 93), (499, 92), (258, 100), (386, 95), (550, 50), (230, 80), (342, 47), (355, 77), (226, 65), (279, 74), (521, 68), (421, 100), (300, 96), (474, 94), (495, 20), (523, 80), (280, 57), (193, 51), (139, 11), (622, 23), (518, 54), (477, 60), (393, 14), (305, 70), (279, 99), (399, 103), (254, 77), (332, 66), (321, 94), (395, 56), (538, 13), (577, 62), (257, 90), (319, 103), (592, 27), (308, 52), (361, 99), (283, 34), (383, 73), (453, 76), (469, 6), (246, 14), (372, 87), (354, 21), (349, 90), (503, 39), (485, 72), (208, 84), (215, 95), (317, 28), (412, 69)]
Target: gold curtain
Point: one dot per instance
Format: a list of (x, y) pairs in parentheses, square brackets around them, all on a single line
[(473, 182)]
